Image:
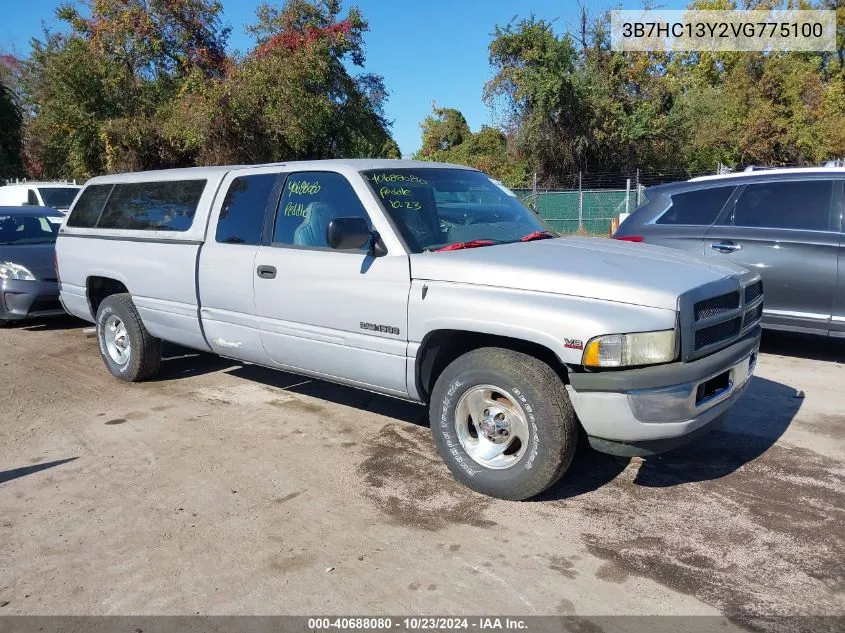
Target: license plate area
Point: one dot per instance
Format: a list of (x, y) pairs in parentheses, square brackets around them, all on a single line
[(722, 385)]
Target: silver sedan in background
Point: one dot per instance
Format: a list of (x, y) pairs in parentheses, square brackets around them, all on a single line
[(28, 280)]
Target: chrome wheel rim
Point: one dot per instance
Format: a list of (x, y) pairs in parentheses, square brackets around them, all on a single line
[(116, 339), (491, 427)]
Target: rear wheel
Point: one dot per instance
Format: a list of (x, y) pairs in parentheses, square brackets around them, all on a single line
[(129, 351), (503, 423)]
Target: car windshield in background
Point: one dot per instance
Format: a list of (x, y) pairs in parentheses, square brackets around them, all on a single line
[(445, 209), (58, 197), (22, 229)]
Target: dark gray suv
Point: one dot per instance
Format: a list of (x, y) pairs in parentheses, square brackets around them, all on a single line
[(785, 224)]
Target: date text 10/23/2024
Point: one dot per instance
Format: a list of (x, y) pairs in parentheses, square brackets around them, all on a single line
[(421, 623)]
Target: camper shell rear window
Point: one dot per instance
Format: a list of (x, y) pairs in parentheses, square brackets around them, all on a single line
[(160, 205)]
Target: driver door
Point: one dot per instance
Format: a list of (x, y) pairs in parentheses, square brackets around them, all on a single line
[(338, 314)]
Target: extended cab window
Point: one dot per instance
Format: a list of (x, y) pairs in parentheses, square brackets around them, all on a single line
[(152, 206), (242, 215), (88, 208), (803, 205), (697, 208), (311, 200)]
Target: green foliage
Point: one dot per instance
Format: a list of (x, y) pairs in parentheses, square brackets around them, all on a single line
[(145, 84), (292, 97), (11, 122), (447, 138), (571, 104), (444, 129)]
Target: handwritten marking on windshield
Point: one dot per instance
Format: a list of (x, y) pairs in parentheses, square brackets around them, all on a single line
[(295, 208), (413, 205), (393, 191), (303, 187), (379, 178)]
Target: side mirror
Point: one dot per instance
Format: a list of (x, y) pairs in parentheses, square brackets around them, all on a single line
[(348, 233)]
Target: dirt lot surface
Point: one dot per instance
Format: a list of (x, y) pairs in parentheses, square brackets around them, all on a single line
[(229, 489)]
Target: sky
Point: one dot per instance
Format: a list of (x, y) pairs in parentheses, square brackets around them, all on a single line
[(426, 50)]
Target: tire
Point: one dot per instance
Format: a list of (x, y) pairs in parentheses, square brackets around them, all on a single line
[(138, 360), (526, 398)]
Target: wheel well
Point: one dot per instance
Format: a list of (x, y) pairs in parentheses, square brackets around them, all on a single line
[(441, 347), (98, 288)]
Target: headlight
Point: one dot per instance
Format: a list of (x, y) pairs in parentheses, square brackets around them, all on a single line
[(624, 350), (8, 270)]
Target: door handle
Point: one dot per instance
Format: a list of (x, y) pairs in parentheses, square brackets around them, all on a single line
[(266, 272), (726, 247)]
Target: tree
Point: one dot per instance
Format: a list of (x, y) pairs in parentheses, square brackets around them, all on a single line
[(442, 130), (581, 108), (572, 104), (447, 138), (144, 84), (97, 93), (11, 122), (292, 96)]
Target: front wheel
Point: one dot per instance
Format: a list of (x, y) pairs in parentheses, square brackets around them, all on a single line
[(503, 423), (129, 351)]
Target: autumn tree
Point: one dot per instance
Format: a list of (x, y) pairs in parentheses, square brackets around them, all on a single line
[(144, 84), (98, 93), (292, 96)]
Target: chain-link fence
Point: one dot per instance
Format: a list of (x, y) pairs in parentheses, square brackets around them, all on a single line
[(581, 211), (588, 203)]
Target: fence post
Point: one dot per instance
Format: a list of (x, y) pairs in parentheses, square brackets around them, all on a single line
[(627, 195), (534, 190), (638, 186), (580, 204)]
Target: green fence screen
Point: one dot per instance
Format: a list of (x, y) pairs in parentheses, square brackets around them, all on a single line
[(560, 208)]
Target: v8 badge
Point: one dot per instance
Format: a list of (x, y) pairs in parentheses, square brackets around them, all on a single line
[(573, 343)]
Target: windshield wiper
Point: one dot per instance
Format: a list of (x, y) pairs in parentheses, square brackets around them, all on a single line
[(461, 245), (537, 235)]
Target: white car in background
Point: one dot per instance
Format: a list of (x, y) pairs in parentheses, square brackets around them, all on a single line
[(57, 195)]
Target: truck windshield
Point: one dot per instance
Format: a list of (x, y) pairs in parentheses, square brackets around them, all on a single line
[(447, 209), (58, 197), (22, 229)]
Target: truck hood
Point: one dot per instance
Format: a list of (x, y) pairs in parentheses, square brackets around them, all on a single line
[(594, 268)]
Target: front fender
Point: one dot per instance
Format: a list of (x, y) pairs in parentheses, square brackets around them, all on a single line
[(561, 323)]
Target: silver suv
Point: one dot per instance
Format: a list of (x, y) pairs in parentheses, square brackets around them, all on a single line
[(422, 281), (785, 224)]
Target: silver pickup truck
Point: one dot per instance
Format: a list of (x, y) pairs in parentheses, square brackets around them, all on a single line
[(423, 281)]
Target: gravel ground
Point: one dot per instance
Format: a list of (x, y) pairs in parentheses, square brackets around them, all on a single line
[(228, 489)]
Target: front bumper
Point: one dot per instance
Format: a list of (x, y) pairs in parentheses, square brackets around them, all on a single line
[(20, 299), (653, 409)]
